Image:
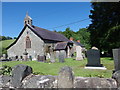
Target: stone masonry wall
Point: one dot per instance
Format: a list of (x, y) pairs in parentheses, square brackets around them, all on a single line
[(18, 49), (65, 79)]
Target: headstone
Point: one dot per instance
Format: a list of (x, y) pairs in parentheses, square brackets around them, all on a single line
[(25, 55), (4, 56), (68, 52), (13, 58), (61, 56), (65, 78), (38, 58), (52, 56), (116, 56), (30, 58), (19, 73), (21, 58), (41, 58), (93, 57), (79, 53), (57, 54)]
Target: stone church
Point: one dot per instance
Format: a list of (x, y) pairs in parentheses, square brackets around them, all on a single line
[(37, 42)]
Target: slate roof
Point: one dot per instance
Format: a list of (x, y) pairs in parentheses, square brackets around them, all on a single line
[(49, 35), (43, 34), (61, 45)]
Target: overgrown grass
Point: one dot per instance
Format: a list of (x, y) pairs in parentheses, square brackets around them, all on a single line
[(77, 66)]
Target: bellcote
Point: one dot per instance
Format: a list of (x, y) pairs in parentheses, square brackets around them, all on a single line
[(28, 20)]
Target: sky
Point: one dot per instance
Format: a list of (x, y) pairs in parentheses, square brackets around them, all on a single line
[(47, 15)]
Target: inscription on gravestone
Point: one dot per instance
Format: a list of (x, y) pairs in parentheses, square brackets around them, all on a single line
[(116, 56), (93, 57)]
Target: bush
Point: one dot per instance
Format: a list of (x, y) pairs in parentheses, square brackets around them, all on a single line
[(5, 70)]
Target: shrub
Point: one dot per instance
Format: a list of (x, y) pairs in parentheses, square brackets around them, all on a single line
[(5, 70)]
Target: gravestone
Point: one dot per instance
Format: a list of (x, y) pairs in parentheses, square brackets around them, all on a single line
[(4, 56), (61, 56), (52, 56), (116, 56), (57, 54), (19, 72), (30, 58), (79, 53), (93, 57), (41, 58), (25, 55), (65, 78)]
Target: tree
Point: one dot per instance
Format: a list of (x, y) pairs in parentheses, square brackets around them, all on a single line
[(105, 29), (8, 38), (82, 35), (15, 37)]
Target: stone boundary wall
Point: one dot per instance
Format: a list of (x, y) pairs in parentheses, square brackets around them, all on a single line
[(65, 79)]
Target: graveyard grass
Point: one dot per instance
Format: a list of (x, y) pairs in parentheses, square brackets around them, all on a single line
[(77, 66)]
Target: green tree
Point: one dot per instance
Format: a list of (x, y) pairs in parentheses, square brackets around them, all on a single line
[(105, 30), (84, 36)]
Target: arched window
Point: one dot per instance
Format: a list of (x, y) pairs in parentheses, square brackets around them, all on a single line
[(28, 42)]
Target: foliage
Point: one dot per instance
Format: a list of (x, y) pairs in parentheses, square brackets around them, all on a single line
[(5, 38), (5, 70), (105, 27), (82, 35), (77, 66)]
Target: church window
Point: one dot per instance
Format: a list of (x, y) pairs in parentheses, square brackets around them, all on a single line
[(28, 42)]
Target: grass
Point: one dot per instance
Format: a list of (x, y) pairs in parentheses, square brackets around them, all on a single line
[(77, 66), (53, 68), (4, 44)]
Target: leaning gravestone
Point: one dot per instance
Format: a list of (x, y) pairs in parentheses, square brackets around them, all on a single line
[(116, 56), (19, 73), (93, 57), (61, 56), (65, 78)]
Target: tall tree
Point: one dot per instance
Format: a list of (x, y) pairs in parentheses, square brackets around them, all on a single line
[(105, 27)]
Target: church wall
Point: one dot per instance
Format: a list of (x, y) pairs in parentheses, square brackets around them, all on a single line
[(37, 45)]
